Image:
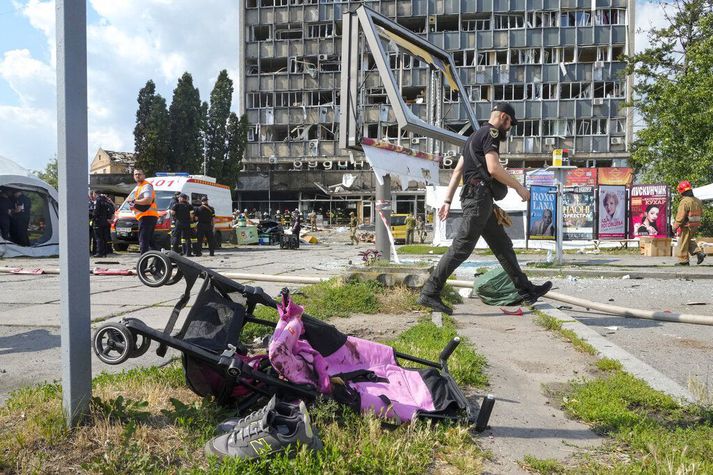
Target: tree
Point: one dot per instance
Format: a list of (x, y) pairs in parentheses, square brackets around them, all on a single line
[(50, 175), (672, 94), (216, 143), (186, 150), (151, 133), (237, 145)]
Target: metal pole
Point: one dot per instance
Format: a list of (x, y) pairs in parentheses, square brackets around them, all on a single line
[(71, 16), (559, 176), (383, 208)]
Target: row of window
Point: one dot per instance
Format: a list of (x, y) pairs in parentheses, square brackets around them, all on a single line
[(568, 127)]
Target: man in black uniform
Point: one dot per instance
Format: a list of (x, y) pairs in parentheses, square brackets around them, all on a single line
[(101, 214), (483, 178), (20, 219), (205, 214), (181, 233), (5, 212)]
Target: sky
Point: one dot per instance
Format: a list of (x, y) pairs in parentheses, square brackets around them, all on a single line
[(128, 43)]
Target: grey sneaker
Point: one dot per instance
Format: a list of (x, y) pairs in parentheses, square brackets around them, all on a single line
[(281, 407), (273, 433)]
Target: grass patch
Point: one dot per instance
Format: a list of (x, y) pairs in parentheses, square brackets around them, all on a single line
[(655, 433), (147, 421), (426, 340), (422, 249), (336, 298), (543, 466), (555, 325), (608, 364)]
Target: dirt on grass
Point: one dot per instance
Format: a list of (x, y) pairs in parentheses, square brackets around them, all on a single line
[(376, 327)]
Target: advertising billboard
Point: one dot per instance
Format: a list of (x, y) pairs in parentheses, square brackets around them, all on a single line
[(542, 212), (649, 211), (578, 213), (612, 212)]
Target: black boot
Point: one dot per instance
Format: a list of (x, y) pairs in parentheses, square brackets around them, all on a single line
[(435, 303), (701, 256), (531, 295)]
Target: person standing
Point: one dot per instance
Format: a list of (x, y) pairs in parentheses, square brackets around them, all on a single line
[(296, 223), (313, 221), (20, 219), (687, 220), (482, 173), (92, 237), (181, 215), (353, 224), (205, 214), (410, 222), (101, 215), (5, 214), (421, 229), (145, 210)]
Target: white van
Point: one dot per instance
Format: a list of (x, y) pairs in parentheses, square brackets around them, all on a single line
[(125, 227)]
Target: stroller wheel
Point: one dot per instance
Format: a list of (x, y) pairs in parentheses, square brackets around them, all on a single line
[(141, 344), (113, 343), (154, 269), (175, 278)]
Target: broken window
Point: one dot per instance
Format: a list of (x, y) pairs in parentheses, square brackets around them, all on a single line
[(588, 55), (550, 91), (260, 32), (557, 127), (288, 99), (289, 34), (552, 55), (259, 99), (610, 89), (568, 55), (509, 22), (574, 90), (273, 65), (610, 16), (617, 126), (525, 56), (567, 19), (324, 30), (527, 128)]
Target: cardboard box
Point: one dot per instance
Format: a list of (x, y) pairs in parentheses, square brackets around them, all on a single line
[(655, 247)]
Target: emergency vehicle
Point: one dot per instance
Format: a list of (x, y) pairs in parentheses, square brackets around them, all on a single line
[(125, 227)]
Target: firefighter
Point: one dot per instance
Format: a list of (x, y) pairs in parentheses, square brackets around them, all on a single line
[(353, 223), (686, 223), (410, 228)]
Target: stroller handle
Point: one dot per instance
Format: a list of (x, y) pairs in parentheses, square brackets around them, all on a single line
[(448, 351)]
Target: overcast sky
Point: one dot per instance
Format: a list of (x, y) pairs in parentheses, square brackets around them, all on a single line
[(129, 42)]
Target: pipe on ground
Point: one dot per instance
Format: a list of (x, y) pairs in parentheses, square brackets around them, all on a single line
[(615, 309)]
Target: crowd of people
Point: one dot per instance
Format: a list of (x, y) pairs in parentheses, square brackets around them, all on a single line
[(15, 209)]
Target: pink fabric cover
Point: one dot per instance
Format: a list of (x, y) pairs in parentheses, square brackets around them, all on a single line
[(298, 362)]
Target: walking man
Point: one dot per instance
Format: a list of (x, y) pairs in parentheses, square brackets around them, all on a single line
[(421, 229), (410, 222), (483, 176), (145, 210), (101, 216), (686, 222), (205, 214), (353, 223), (20, 219), (313, 221)]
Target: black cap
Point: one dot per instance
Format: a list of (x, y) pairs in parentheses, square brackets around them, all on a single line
[(205, 198), (178, 193), (507, 108), (183, 195)]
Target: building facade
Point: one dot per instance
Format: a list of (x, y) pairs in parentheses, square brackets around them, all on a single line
[(110, 162), (558, 62)]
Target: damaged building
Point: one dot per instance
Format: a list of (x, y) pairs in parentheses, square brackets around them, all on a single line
[(558, 62)]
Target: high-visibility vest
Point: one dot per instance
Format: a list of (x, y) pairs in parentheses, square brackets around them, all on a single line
[(153, 209)]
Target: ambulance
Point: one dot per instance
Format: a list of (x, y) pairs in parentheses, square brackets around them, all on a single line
[(125, 227)]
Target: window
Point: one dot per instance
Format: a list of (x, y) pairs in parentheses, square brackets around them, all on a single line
[(611, 16), (320, 31), (259, 99), (509, 22), (610, 89)]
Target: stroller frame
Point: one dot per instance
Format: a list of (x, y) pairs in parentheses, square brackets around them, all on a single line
[(131, 337)]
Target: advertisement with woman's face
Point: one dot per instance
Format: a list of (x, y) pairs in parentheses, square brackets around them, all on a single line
[(649, 211), (612, 212)]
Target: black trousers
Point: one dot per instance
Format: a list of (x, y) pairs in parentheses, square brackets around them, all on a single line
[(181, 238), (100, 233), (205, 231), (478, 220), (5, 228), (147, 224)]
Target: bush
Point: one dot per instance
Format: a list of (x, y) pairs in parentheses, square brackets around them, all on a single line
[(706, 228)]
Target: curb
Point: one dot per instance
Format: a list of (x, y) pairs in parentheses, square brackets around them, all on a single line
[(630, 363), (615, 273)]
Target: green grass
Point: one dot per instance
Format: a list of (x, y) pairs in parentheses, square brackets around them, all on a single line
[(656, 434), (608, 364), (544, 466), (422, 249), (148, 421), (555, 325), (335, 298)]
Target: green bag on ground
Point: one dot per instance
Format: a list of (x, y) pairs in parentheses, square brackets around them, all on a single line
[(495, 288)]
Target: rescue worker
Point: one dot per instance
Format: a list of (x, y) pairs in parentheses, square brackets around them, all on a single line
[(482, 173), (296, 223), (686, 223), (92, 238), (204, 215), (410, 223), (353, 224), (20, 219), (101, 217), (143, 204), (174, 200), (313, 221), (421, 229), (181, 216)]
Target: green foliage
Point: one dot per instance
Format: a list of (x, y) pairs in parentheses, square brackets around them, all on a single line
[(608, 364), (186, 117), (237, 134), (658, 435), (672, 94), (426, 340), (216, 137), (334, 298), (169, 376), (120, 409), (706, 228), (422, 249), (125, 455), (152, 131), (553, 324), (50, 175), (544, 466), (197, 418)]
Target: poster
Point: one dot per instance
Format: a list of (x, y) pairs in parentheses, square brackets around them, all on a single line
[(578, 206), (581, 177), (649, 211), (612, 212), (616, 176), (542, 210), (540, 176), (518, 174)]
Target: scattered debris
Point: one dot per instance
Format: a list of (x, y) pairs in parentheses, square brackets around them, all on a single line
[(611, 300), (571, 278), (626, 277), (564, 307), (696, 303), (612, 328), (517, 312)]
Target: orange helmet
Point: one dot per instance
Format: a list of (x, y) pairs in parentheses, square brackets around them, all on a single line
[(685, 185)]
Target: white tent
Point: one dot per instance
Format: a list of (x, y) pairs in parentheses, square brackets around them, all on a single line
[(44, 218), (704, 193), (443, 231)]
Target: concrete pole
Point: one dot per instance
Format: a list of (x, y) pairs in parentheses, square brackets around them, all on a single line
[(71, 16), (383, 207), (559, 177), (240, 80)]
